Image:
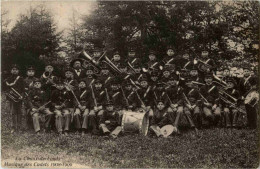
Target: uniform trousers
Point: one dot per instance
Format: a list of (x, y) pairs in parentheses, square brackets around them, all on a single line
[(16, 112), (63, 119), (251, 116), (36, 118), (106, 128), (212, 116), (196, 114)]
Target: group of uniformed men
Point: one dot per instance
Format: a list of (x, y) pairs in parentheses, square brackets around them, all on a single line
[(168, 90)]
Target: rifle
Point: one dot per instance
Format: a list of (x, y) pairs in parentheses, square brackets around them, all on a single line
[(140, 99), (93, 95), (185, 97), (107, 94), (127, 103), (203, 98), (40, 107), (69, 89)]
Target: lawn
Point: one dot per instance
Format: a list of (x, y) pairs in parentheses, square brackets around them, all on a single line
[(212, 148)]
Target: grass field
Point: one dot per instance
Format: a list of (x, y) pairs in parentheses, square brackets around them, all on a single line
[(213, 148)]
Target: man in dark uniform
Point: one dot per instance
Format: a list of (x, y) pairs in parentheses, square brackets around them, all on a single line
[(154, 77), (184, 62), (62, 101), (153, 63), (90, 77), (105, 76), (162, 116), (116, 59), (99, 97), (110, 121), (115, 94), (132, 57), (28, 81), (48, 80), (83, 107), (36, 104), (130, 95), (175, 98), (230, 112), (78, 71), (167, 72), (69, 80), (159, 93), (145, 96), (210, 97), (15, 84), (205, 64), (169, 58), (28, 85), (247, 84), (191, 103)]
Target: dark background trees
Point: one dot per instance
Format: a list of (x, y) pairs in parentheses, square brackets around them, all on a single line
[(32, 41), (229, 30)]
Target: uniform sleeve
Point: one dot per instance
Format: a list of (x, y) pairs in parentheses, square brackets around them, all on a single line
[(103, 118)]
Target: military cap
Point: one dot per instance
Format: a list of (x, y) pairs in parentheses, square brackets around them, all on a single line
[(245, 66), (30, 68), (82, 80), (143, 78), (97, 81), (154, 73), (131, 50), (127, 83), (116, 53), (109, 102), (59, 81), (37, 80), (89, 67), (68, 69), (170, 47), (173, 77), (48, 63), (151, 52), (14, 66)]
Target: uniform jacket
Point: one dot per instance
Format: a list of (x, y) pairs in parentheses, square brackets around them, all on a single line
[(37, 97), (210, 92), (112, 116)]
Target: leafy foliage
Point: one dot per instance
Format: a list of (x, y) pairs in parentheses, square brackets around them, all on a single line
[(227, 29), (33, 35)]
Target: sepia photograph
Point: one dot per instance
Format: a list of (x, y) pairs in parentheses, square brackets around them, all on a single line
[(130, 84)]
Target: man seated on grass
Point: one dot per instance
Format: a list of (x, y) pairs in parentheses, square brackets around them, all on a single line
[(36, 101), (83, 107), (162, 116), (110, 121), (60, 99)]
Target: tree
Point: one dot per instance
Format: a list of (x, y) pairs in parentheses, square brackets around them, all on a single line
[(33, 35)]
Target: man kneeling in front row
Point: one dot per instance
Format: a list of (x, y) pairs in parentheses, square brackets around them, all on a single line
[(110, 121)]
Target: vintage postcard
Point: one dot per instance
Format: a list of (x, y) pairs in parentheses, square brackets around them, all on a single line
[(129, 84)]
